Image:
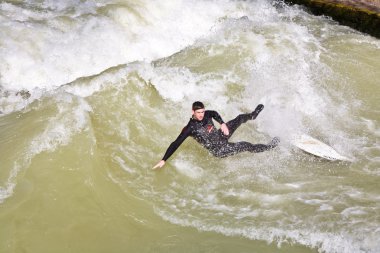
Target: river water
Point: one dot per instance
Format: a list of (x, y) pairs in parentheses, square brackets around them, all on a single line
[(93, 92)]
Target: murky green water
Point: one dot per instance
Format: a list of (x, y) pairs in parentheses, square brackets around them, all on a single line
[(76, 156)]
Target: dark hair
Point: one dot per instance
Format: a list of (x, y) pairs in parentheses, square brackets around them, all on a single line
[(198, 105)]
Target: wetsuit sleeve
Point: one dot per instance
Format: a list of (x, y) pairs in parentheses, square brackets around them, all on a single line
[(215, 115), (175, 144)]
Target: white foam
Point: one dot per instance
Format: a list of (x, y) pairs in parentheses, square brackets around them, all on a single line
[(122, 164), (71, 119), (353, 211), (62, 127), (295, 185), (58, 42), (187, 168), (325, 207), (7, 190), (323, 241)]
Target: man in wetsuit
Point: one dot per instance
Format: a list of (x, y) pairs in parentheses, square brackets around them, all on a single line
[(202, 129)]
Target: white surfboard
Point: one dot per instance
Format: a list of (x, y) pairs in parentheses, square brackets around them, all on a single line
[(317, 148)]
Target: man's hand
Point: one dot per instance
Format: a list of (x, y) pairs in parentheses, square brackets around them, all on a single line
[(224, 129), (159, 165)]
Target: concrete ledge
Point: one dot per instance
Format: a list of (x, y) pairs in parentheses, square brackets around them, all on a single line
[(359, 15)]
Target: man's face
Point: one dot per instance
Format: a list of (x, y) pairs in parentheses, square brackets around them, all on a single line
[(199, 114)]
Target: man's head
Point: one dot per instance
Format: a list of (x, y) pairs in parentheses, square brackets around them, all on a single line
[(198, 110)]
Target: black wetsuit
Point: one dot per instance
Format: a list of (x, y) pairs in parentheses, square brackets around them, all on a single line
[(213, 139)]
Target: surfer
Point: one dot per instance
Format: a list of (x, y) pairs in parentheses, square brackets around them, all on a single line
[(202, 129)]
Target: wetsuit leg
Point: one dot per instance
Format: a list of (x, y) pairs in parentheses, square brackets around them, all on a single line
[(242, 118), (236, 122), (238, 147)]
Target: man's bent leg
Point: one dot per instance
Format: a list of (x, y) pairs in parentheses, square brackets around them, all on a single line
[(236, 122), (242, 118)]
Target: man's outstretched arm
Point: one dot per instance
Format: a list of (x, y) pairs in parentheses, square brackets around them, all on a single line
[(173, 147)]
